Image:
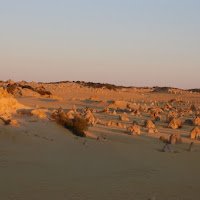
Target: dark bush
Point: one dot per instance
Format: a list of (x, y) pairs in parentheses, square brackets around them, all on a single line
[(69, 124), (42, 91), (100, 85), (27, 87), (77, 126), (11, 88), (62, 118), (80, 125), (194, 90), (193, 107)]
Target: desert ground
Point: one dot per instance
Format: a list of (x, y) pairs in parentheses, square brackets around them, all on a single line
[(138, 144)]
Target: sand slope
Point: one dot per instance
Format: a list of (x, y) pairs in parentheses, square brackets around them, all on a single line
[(40, 159)]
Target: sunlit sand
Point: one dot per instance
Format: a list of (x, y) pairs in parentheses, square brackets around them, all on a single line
[(138, 144)]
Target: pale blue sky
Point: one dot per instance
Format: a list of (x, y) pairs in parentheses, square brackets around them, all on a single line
[(125, 42)]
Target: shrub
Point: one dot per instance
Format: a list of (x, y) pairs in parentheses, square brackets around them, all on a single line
[(27, 87), (11, 88), (42, 91), (69, 124), (193, 107), (77, 126), (80, 125), (62, 118)]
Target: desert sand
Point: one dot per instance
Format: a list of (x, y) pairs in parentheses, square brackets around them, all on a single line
[(41, 159)]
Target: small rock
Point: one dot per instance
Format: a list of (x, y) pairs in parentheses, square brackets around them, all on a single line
[(151, 131), (195, 133), (14, 122), (149, 124), (156, 130)]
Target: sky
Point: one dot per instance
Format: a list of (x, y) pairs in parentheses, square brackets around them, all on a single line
[(123, 42)]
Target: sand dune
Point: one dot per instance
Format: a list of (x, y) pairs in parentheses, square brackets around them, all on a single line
[(41, 159)]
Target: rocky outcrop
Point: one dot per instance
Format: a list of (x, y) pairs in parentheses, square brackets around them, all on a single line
[(39, 113), (195, 133), (175, 123), (149, 124), (123, 117), (197, 121), (134, 130), (171, 115)]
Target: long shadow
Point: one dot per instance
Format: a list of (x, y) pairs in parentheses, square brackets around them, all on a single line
[(114, 129), (48, 100)]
